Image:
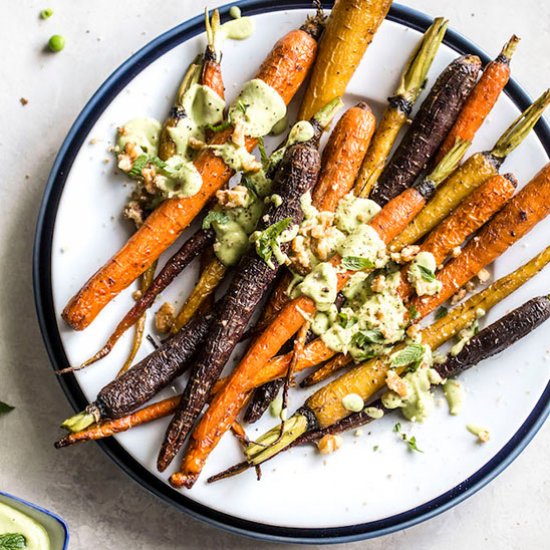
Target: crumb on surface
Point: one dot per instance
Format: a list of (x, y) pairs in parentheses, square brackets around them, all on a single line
[(165, 317)]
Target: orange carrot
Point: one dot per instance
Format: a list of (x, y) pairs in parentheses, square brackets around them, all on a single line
[(482, 99), (111, 427), (284, 69), (518, 217)]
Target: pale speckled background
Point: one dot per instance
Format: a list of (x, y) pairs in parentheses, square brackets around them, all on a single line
[(103, 507)]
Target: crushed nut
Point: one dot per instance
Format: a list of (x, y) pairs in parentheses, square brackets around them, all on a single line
[(396, 384), (165, 317), (23, 101), (134, 213), (329, 444), (458, 296), (195, 143), (470, 286), (409, 252), (378, 283), (231, 198), (483, 275), (457, 251)]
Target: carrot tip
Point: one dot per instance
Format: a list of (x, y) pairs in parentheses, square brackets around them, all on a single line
[(179, 480)]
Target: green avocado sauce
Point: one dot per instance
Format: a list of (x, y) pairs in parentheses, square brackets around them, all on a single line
[(257, 109), (419, 401), (421, 274), (13, 521), (454, 394)]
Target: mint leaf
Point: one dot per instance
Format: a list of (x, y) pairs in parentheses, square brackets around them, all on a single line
[(364, 338), (12, 541), (411, 442), (267, 239), (219, 127), (410, 355), (441, 312), (5, 408), (357, 263), (414, 313), (138, 165), (427, 274), (214, 216)]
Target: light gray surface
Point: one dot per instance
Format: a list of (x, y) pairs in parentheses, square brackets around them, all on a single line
[(103, 507)]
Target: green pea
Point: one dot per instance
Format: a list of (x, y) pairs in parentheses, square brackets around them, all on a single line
[(56, 43), (46, 13)]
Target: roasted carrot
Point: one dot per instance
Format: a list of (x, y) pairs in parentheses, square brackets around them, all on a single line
[(188, 252), (482, 99), (470, 215), (146, 280), (471, 175), (431, 124), (399, 106), (342, 156), (108, 428), (444, 328), (517, 218), (324, 408), (349, 31), (285, 68), (226, 405), (211, 275), (144, 380), (296, 174)]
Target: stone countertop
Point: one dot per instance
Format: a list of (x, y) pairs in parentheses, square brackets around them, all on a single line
[(103, 507)]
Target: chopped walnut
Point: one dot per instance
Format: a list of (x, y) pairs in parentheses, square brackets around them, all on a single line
[(131, 150), (195, 143), (251, 165), (134, 212), (457, 251), (124, 162), (470, 286), (238, 136), (299, 255), (409, 252), (458, 296), (322, 247), (396, 384), (483, 275), (149, 174), (378, 283), (329, 444), (231, 198), (164, 318)]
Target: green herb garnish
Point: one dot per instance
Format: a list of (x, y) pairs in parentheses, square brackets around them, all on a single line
[(250, 186), (441, 312), (357, 263), (414, 313), (214, 216), (267, 239), (411, 355), (12, 541), (427, 274), (263, 154), (46, 13), (346, 321), (397, 427), (139, 164), (411, 442), (219, 127), (364, 338), (5, 408)]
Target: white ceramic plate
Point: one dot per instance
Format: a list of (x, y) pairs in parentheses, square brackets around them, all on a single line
[(357, 492)]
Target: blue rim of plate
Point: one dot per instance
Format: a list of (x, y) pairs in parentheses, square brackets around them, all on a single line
[(53, 515), (47, 315)]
